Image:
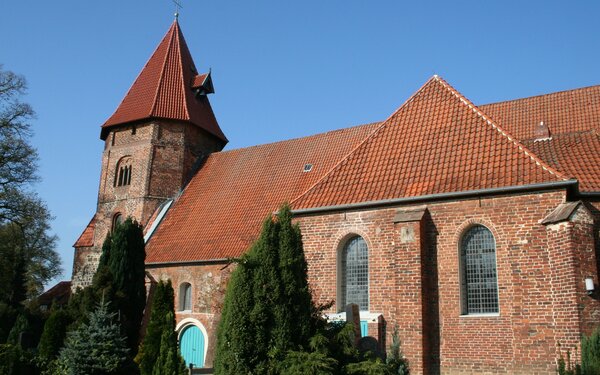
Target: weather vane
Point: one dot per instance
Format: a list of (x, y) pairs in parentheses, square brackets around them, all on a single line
[(177, 7)]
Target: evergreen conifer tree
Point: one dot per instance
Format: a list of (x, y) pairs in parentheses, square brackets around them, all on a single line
[(161, 320), (97, 347), (235, 352), (54, 334), (126, 264), (268, 306), (21, 325), (590, 353), (120, 278), (169, 361)]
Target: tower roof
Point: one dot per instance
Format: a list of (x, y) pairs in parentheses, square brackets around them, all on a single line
[(168, 88)]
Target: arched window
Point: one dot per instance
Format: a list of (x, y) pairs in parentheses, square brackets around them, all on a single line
[(123, 172), (185, 297), (479, 284), (117, 219), (354, 274)]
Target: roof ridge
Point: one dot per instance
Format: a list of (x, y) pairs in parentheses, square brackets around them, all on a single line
[(178, 36), (541, 95), (367, 138), (500, 129), (162, 70)]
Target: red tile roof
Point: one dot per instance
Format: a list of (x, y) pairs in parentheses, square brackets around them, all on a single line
[(199, 80), (574, 154), (59, 294), (563, 112), (437, 142), (164, 90), (221, 210), (87, 237)]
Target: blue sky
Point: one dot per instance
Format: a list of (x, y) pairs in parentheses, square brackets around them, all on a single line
[(281, 69)]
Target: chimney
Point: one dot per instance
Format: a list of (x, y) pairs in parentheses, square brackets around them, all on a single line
[(542, 132)]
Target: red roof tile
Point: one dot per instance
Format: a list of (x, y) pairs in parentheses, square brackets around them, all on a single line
[(87, 237), (221, 210), (59, 294), (563, 112), (199, 80), (164, 90), (437, 142), (574, 154)]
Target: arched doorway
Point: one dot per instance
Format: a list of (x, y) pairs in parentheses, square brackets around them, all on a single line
[(192, 345)]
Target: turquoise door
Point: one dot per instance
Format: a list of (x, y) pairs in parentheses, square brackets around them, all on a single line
[(364, 328), (191, 343)]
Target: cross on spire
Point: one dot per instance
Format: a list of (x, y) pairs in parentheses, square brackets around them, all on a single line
[(178, 6)]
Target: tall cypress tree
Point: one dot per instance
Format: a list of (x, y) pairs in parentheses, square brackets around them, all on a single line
[(169, 361), (268, 306), (161, 320), (120, 278), (235, 352), (124, 258)]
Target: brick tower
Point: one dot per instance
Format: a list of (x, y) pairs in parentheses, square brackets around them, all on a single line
[(161, 131)]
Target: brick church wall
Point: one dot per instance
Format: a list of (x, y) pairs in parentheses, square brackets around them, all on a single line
[(522, 338), (164, 155), (208, 291)]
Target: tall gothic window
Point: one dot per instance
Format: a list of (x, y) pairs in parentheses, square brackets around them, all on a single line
[(479, 284), (123, 172), (185, 297), (354, 278)]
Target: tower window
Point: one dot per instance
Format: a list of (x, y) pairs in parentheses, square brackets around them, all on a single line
[(117, 220), (123, 172)]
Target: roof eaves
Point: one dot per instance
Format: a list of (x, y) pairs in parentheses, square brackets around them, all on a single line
[(546, 186)]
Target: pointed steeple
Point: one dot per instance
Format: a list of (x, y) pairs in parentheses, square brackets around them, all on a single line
[(168, 87)]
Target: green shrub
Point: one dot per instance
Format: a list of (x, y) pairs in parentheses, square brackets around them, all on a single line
[(590, 353), (16, 361), (54, 334), (301, 363), (162, 305), (567, 367)]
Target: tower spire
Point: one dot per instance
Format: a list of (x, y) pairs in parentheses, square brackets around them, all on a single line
[(168, 87)]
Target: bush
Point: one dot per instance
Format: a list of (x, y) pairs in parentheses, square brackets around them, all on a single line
[(395, 359), (54, 334), (567, 367), (590, 353), (16, 361)]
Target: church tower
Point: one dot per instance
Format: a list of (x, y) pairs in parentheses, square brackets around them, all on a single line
[(153, 143)]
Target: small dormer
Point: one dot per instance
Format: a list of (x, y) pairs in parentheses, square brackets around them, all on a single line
[(203, 85)]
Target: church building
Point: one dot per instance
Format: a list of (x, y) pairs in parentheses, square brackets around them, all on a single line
[(472, 228)]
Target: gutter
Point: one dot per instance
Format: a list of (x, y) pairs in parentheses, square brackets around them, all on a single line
[(441, 196), (595, 195), (188, 263)]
